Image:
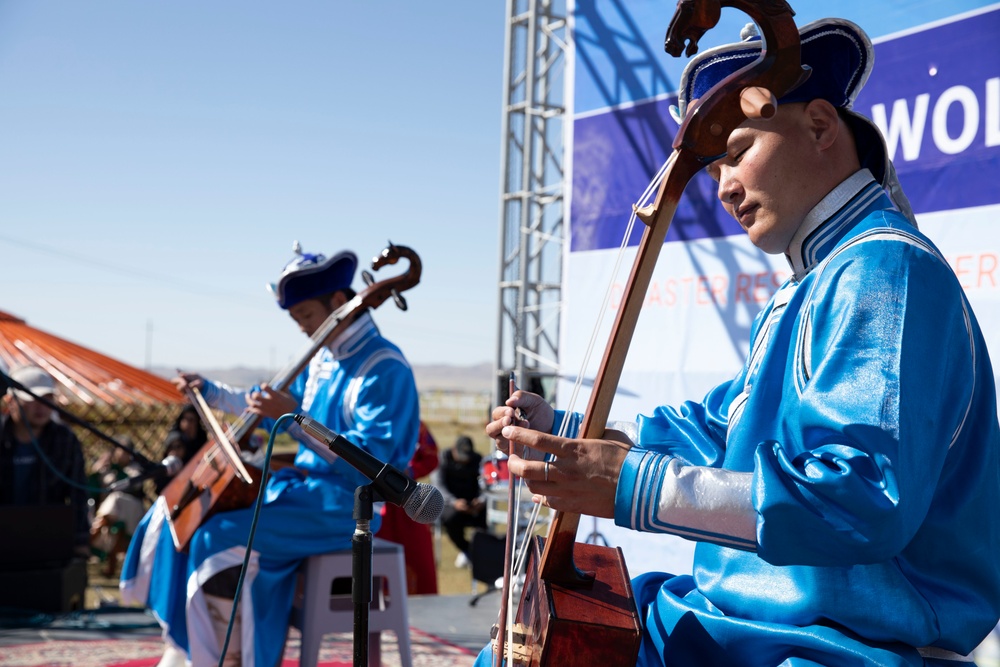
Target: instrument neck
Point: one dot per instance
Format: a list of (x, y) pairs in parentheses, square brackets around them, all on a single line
[(557, 558), (335, 324)]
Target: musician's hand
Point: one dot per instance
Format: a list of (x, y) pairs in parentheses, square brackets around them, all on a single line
[(522, 409), (268, 402), (185, 381), (582, 478)]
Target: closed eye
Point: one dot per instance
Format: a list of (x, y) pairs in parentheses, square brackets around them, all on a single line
[(714, 168)]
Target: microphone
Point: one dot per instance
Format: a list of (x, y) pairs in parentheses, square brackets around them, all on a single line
[(422, 502), (169, 467)]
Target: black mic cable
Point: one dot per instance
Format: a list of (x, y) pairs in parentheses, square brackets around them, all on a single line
[(169, 467)]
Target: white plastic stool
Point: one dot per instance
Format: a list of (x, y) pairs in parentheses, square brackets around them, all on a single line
[(318, 612)]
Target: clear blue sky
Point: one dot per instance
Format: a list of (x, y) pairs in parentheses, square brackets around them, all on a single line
[(158, 159)]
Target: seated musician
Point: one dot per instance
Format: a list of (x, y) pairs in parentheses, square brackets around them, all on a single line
[(843, 487), (360, 386)]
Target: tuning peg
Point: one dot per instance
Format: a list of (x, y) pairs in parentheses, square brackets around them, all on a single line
[(368, 278), (398, 298), (757, 102)]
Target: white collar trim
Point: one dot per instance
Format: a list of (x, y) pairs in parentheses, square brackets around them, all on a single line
[(827, 207)]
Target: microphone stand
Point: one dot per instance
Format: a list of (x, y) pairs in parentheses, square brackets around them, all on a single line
[(361, 569)]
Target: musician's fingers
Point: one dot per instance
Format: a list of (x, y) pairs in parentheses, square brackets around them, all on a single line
[(499, 411), (543, 442), (534, 409), (270, 392), (553, 502), (556, 502), (541, 476), (186, 381), (515, 403), (617, 436), (514, 398), (502, 417), (519, 466), (261, 404)]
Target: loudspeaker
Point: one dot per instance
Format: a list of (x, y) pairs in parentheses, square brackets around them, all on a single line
[(486, 552), (54, 590)]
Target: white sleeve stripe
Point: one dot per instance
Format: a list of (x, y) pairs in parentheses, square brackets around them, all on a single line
[(695, 502)]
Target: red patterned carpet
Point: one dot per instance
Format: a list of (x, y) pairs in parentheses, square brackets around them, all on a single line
[(337, 651)]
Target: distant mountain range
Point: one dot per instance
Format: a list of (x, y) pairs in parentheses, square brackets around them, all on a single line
[(432, 377)]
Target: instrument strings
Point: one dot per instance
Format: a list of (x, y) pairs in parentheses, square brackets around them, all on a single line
[(223, 437), (650, 190), (514, 512)]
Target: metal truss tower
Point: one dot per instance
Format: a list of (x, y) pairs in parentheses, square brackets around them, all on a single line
[(537, 97)]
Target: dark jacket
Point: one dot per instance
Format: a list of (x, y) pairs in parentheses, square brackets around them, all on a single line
[(63, 451), (458, 479)]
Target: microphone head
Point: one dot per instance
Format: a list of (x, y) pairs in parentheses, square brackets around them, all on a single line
[(172, 465), (425, 504), (120, 485)]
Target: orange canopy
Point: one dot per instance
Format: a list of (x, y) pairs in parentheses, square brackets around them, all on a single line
[(84, 376)]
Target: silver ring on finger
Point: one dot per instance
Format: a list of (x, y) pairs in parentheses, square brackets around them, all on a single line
[(547, 463)]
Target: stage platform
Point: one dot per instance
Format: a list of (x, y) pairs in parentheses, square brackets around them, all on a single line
[(448, 617), (451, 618)]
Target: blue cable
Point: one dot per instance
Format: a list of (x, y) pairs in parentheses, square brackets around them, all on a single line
[(253, 530)]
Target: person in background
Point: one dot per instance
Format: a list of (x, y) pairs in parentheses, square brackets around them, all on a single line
[(843, 487), (184, 440), (416, 538), (111, 466), (41, 460), (457, 477), (358, 385), (118, 512)]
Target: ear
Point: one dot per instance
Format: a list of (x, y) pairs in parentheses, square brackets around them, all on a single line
[(337, 299), (824, 123)]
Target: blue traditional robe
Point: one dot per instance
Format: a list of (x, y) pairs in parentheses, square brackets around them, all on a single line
[(360, 387), (844, 486)]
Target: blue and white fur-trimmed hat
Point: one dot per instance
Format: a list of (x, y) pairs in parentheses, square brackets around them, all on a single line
[(840, 55), (309, 276)]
